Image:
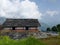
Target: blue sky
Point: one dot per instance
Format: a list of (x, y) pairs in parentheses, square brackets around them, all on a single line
[(47, 11), (49, 5)]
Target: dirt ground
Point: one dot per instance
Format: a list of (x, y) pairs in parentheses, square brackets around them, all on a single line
[(52, 40)]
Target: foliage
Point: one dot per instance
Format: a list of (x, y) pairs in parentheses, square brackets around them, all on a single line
[(5, 40), (48, 29), (58, 27), (54, 28)]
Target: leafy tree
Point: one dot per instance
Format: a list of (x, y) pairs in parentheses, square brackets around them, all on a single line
[(58, 27), (48, 29), (54, 28)]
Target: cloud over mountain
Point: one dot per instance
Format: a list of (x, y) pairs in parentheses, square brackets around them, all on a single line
[(19, 9), (52, 13)]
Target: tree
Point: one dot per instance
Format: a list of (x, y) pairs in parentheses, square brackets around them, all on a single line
[(58, 27), (48, 29), (54, 28)]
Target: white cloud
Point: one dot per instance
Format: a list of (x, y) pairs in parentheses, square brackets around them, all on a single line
[(52, 13), (19, 9)]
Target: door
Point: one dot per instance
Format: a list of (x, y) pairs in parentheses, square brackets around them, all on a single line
[(27, 28), (13, 28)]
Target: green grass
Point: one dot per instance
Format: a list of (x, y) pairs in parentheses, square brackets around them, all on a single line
[(5, 40)]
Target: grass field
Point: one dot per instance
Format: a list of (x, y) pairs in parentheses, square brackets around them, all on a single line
[(26, 41), (5, 40)]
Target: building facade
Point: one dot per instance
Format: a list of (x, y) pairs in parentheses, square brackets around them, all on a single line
[(21, 25)]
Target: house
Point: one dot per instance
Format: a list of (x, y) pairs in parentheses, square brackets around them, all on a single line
[(21, 25)]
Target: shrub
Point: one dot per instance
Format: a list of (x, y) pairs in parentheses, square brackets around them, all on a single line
[(5, 40)]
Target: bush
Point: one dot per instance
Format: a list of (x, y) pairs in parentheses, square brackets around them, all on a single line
[(5, 40)]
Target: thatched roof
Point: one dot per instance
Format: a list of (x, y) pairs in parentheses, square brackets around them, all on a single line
[(21, 23)]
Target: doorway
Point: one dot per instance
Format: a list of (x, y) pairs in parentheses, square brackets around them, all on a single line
[(27, 28), (13, 28)]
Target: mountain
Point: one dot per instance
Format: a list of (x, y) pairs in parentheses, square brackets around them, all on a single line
[(44, 26), (2, 19)]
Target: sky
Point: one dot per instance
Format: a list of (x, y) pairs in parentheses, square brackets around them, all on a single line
[(47, 11)]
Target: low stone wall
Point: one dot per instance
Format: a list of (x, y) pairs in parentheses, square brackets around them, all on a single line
[(18, 34)]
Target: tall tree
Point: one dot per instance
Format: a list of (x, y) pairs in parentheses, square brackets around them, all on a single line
[(58, 27), (54, 28), (48, 29)]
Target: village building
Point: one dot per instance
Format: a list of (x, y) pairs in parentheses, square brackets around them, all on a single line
[(21, 25)]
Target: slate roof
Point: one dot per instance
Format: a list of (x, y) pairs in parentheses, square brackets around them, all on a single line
[(21, 23)]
